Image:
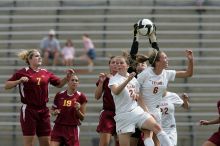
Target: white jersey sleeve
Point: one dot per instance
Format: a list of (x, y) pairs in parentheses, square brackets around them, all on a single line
[(176, 100), (170, 75), (124, 101)]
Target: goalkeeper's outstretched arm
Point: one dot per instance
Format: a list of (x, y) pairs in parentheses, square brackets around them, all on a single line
[(135, 43), (153, 39)]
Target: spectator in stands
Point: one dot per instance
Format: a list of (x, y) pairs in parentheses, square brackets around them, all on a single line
[(169, 101), (70, 107), (107, 126), (200, 4), (33, 84), (214, 140), (125, 91), (68, 53), (89, 50), (156, 79), (50, 48)]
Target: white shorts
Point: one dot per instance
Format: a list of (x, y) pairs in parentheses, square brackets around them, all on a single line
[(172, 135), (157, 115), (68, 57), (128, 121)]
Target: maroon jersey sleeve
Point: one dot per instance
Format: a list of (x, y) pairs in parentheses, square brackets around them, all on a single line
[(82, 99), (108, 102), (54, 80), (16, 76)]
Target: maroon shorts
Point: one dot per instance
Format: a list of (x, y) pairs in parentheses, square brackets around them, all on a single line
[(137, 134), (35, 121), (68, 135), (140, 135), (140, 142), (215, 138), (106, 122)]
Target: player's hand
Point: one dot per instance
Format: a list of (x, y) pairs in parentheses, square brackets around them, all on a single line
[(131, 75), (77, 105), (152, 37), (189, 54), (102, 77), (23, 79), (69, 73), (204, 122), (56, 112), (185, 97)]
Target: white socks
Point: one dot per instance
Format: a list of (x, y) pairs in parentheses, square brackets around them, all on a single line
[(148, 142), (164, 139)]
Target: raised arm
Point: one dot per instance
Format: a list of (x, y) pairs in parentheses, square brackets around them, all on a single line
[(69, 72), (134, 46), (153, 39), (12, 84), (211, 122), (185, 98), (189, 71), (116, 89), (99, 88)]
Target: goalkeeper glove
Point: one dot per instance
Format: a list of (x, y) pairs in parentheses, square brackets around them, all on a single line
[(153, 39)]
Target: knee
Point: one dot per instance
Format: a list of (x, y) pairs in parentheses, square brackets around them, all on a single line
[(56, 54), (156, 128), (46, 54)]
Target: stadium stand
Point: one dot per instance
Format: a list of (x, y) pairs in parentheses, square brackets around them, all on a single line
[(109, 23)]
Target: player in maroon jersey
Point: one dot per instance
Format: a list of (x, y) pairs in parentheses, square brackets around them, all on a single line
[(70, 107), (214, 140), (33, 84), (107, 125)]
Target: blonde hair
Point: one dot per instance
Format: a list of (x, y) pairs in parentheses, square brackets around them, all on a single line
[(27, 54), (131, 62), (126, 56)]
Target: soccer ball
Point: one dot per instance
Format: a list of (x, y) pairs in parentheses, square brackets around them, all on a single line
[(145, 27)]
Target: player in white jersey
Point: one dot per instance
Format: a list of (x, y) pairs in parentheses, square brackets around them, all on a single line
[(167, 106), (129, 115), (154, 86), (154, 80)]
